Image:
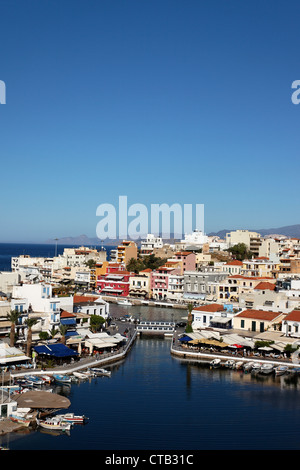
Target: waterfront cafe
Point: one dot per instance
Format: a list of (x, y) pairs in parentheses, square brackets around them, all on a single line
[(102, 343), (57, 351)]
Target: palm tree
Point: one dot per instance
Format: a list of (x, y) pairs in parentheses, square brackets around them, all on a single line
[(30, 322), (13, 317), (189, 327), (63, 329)]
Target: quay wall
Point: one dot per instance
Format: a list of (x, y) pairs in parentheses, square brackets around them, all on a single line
[(83, 363)]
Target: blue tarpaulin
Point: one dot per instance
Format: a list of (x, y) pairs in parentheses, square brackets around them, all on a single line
[(185, 338), (56, 350), (68, 321)]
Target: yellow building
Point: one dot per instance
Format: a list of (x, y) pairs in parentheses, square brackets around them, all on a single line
[(258, 320), (126, 251)]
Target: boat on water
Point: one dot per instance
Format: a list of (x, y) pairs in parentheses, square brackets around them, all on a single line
[(72, 418), (47, 379), (62, 378), (248, 366), (22, 416), (80, 375), (256, 368), (230, 363), (34, 380), (124, 302), (215, 363), (54, 424), (100, 371), (281, 370), (239, 365), (267, 369)]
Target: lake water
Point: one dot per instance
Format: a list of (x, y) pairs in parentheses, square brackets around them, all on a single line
[(155, 401)]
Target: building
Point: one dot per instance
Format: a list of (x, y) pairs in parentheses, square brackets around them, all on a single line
[(212, 316), (201, 285), (232, 287), (115, 282), (258, 320), (124, 252), (232, 267), (291, 324), (140, 284), (261, 267), (251, 239), (187, 260), (150, 244)]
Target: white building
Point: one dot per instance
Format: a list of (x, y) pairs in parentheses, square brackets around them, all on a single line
[(195, 239), (150, 243)]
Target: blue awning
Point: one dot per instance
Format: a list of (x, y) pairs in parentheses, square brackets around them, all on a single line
[(68, 321), (55, 350), (185, 338)]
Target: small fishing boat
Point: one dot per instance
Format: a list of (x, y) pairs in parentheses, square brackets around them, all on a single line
[(215, 363), (62, 378), (72, 418), (80, 375), (256, 368), (230, 363), (47, 379), (22, 416), (54, 423), (248, 366), (100, 371), (34, 380), (124, 302), (239, 365), (266, 369), (280, 370)]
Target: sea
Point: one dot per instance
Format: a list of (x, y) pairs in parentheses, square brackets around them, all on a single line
[(155, 402)]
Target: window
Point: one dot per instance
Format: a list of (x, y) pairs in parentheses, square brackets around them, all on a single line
[(242, 323)]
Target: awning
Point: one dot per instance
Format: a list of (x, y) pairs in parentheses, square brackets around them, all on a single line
[(220, 320), (6, 360), (55, 350), (185, 338), (68, 321)]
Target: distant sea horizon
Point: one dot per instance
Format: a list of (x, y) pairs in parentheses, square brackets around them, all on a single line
[(12, 249)]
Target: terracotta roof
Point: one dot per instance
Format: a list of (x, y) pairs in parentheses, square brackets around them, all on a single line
[(235, 262), (183, 253), (210, 308), (265, 286), (255, 278), (148, 270), (79, 299), (65, 314), (293, 316), (259, 314)]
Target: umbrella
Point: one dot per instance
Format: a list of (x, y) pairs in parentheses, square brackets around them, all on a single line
[(238, 346)]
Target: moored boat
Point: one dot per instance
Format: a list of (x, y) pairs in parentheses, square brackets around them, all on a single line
[(100, 371), (62, 378), (230, 363), (281, 370), (80, 375), (267, 369), (215, 363), (248, 366), (124, 302), (22, 416), (54, 424), (239, 365), (34, 380), (72, 418)]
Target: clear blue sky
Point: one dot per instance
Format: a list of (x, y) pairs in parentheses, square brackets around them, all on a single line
[(161, 100)]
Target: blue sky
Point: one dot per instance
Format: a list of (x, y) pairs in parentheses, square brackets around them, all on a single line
[(165, 101)]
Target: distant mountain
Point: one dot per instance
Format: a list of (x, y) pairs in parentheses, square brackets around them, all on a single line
[(292, 231)]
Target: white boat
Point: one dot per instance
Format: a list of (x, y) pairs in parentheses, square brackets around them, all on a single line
[(80, 375), (266, 369), (62, 378), (239, 365), (281, 370), (72, 418), (54, 423), (215, 363), (99, 371), (248, 366), (124, 302), (22, 416), (256, 367), (34, 380), (230, 363)]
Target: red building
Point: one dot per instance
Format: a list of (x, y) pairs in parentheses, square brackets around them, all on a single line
[(115, 281)]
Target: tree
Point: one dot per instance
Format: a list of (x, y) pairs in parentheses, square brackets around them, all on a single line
[(96, 322), (13, 317), (189, 327), (30, 322), (63, 330), (240, 251)]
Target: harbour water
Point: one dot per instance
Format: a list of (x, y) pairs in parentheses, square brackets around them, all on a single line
[(155, 401)]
